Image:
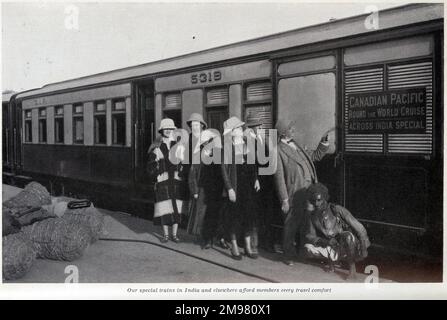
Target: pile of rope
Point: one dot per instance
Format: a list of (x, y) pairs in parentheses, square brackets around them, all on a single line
[(90, 217), (34, 195), (9, 224), (18, 256), (58, 239), (37, 226)]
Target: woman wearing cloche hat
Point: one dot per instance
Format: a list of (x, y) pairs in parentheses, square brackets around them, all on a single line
[(204, 181), (241, 183), (170, 192)]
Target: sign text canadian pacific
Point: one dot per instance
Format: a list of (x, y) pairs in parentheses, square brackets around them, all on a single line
[(392, 111)]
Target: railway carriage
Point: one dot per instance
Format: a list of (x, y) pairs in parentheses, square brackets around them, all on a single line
[(379, 91)]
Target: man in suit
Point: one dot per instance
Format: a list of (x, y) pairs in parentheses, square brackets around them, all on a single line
[(295, 172)]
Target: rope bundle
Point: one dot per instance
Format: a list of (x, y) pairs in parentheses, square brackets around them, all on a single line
[(89, 217), (34, 195), (18, 256), (58, 239)]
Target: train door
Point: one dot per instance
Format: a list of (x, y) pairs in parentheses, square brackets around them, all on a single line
[(307, 95), (6, 133), (143, 127), (16, 131)]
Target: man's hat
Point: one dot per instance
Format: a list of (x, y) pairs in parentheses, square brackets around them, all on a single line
[(254, 122), (167, 123), (282, 126), (196, 117), (231, 124)]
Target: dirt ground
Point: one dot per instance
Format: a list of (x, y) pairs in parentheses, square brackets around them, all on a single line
[(119, 262)]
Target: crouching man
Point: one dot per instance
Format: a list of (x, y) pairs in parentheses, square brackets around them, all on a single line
[(332, 233)]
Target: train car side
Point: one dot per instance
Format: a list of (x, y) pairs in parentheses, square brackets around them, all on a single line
[(385, 164)]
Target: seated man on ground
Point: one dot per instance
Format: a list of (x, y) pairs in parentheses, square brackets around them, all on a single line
[(332, 233)]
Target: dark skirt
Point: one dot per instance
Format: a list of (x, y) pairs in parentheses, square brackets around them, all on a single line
[(241, 216)]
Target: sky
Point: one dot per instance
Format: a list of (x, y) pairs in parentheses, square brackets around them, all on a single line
[(49, 42)]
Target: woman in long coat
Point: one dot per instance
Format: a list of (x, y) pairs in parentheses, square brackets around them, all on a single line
[(241, 184), (170, 189), (205, 182)]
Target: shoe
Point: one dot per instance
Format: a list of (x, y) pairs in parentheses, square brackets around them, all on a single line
[(251, 255), (235, 256), (223, 244), (175, 239), (164, 239), (207, 245)]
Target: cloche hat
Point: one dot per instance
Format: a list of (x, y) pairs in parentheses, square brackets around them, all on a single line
[(167, 123), (232, 123), (196, 117)]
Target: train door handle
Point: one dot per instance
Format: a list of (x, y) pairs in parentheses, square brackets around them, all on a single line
[(338, 158)]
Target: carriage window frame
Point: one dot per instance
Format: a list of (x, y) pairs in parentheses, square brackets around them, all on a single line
[(59, 123), (260, 101), (78, 115), (246, 104), (164, 105), (385, 152), (100, 114), (212, 105), (177, 110), (118, 113), (42, 124), (28, 126)]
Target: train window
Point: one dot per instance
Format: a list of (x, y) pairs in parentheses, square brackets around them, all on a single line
[(172, 101), (307, 65), (59, 111), (389, 50), (59, 130), (78, 130), (258, 91), (28, 131), (258, 103), (100, 106), (78, 108), (411, 132), (42, 125), (119, 122), (42, 130), (119, 105), (119, 128), (217, 96), (28, 114), (309, 101), (100, 123), (59, 124), (78, 124)]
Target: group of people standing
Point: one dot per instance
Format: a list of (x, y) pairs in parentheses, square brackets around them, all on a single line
[(230, 204)]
